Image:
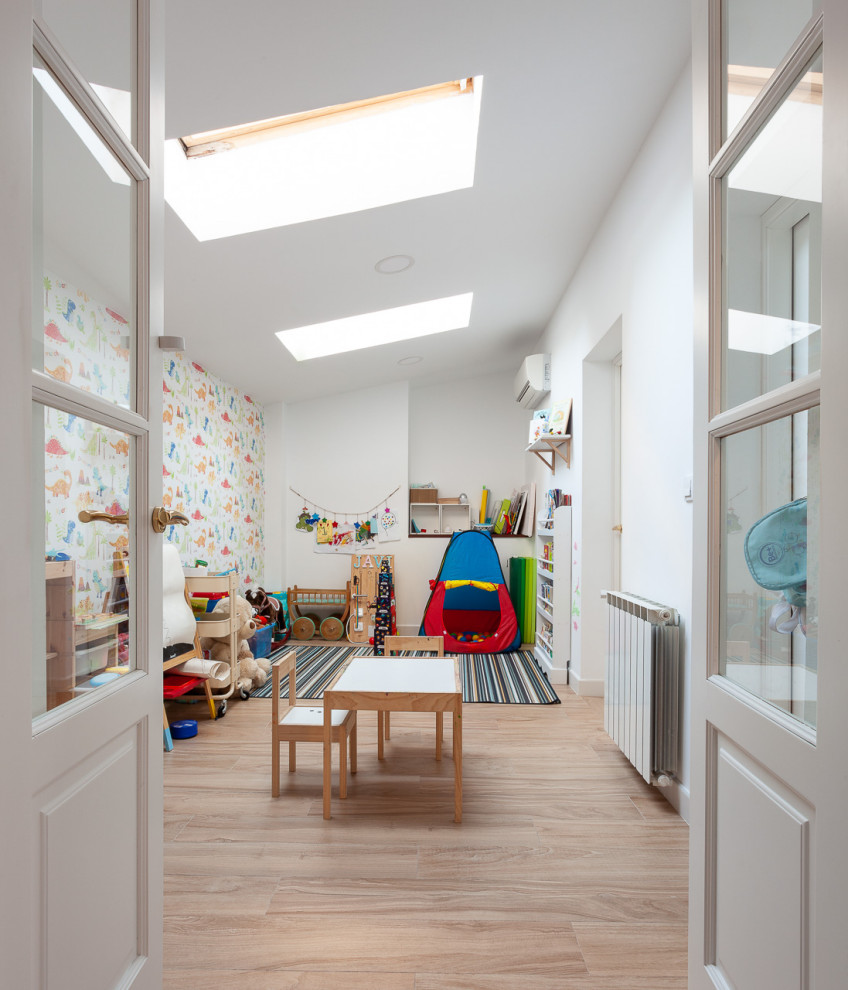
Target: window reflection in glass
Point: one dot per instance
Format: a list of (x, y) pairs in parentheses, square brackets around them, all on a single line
[(772, 251), (84, 262), (84, 593), (769, 578), (757, 34), (108, 66)]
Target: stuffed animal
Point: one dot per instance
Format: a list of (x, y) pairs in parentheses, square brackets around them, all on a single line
[(251, 672)]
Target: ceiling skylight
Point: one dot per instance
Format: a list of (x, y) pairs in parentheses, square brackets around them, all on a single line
[(383, 327), (325, 163)]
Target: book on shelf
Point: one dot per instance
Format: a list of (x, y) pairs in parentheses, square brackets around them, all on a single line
[(560, 418), (500, 518)]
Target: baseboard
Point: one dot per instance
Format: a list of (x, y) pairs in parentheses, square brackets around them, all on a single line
[(588, 687), (556, 675), (677, 795)]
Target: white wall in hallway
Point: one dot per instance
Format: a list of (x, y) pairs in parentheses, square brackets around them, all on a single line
[(638, 270)]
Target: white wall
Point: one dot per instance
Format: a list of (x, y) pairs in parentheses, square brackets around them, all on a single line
[(460, 437), (276, 531), (344, 453), (638, 270)]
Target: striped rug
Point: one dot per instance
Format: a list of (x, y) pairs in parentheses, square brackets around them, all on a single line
[(495, 678)]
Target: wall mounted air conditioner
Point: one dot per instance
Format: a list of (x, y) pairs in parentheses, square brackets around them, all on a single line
[(533, 381)]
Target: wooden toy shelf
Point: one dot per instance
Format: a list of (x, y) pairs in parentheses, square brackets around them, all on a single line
[(228, 583)]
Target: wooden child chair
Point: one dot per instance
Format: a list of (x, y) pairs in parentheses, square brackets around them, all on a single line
[(300, 724), (395, 645)]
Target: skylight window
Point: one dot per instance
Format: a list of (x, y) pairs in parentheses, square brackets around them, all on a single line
[(325, 163), (383, 327)]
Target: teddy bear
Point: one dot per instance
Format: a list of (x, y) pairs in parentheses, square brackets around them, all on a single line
[(251, 672)]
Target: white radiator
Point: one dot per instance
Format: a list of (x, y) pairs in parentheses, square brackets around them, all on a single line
[(641, 683)]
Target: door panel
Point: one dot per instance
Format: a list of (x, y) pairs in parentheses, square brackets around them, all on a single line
[(768, 876), (88, 831), (87, 539), (88, 828), (85, 207), (110, 67), (769, 555), (762, 832)]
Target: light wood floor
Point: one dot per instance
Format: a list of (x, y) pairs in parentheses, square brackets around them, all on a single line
[(567, 873)]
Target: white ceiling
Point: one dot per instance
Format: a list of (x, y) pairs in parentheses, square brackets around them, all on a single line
[(571, 89)]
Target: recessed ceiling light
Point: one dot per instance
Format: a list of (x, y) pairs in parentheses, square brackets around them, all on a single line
[(394, 264), (412, 359), (383, 327)]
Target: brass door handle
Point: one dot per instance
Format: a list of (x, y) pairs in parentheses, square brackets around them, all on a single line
[(617, 529), (163, 518), (116, 520)]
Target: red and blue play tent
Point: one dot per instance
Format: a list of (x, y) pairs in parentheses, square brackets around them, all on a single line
[(469, 604)]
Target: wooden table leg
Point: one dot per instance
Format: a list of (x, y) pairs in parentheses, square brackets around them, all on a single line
[(440, 722), (342, 764), (380, 750), (457, 761), (328, 755), (353, 743)]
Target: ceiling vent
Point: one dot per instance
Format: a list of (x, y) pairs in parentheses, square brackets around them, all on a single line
[(533, 381)]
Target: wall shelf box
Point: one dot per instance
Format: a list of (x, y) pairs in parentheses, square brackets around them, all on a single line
[(439, 519), (552, 446), (426, 496), (553, 594)]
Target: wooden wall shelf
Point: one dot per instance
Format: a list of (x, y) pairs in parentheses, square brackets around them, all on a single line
[(447, 536), (552, 446)]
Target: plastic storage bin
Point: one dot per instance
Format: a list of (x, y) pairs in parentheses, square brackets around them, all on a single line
[(260, 642)]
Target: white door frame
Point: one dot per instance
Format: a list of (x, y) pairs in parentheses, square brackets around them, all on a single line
[(121, 725), (728, 728)]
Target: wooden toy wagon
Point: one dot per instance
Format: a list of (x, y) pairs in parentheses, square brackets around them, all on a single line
[(305, 621)]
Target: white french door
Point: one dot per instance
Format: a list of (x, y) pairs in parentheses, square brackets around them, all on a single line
[(81, 279), (768, 877)]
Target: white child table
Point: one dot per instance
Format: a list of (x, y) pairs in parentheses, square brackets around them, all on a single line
[(397, 684)]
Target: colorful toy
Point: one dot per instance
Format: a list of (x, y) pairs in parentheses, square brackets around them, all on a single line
[(303, 522), (303, 625), (252, 672), (364, 581), (385, 622), (469, 604)]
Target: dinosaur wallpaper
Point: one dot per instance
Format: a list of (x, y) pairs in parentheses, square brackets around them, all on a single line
[(214, 470), (213, 459)]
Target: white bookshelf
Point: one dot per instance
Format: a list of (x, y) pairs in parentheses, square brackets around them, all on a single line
[(553, 594)]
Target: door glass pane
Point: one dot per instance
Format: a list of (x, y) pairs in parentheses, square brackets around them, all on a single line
[(757, 34), (84, 595), (84, 243), (772, 252), (100, 39), (769, 576)]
